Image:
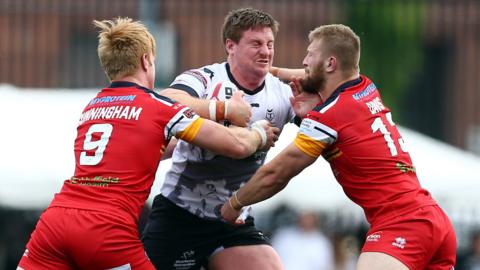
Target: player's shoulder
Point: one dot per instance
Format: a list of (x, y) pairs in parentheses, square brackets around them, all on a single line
[(157, 98), (205, 75), (277, 85)]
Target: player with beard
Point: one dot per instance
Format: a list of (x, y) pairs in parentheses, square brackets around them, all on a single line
[(354, 131)]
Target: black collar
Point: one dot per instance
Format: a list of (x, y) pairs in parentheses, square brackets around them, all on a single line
[(247, 91)]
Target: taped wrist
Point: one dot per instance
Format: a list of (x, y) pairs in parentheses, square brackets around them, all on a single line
[(217, 110), (258, 127)]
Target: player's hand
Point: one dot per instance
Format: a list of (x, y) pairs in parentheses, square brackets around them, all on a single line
[(239, 111), (271, 133), (302, 102), (231, 215)]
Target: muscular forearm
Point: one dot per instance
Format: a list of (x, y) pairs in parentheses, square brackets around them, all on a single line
[(199, 106), (266, 182), (285, 74)]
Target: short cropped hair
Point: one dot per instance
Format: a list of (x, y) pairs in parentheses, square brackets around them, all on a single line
[(340, 41), (121, 44), (240, 20)]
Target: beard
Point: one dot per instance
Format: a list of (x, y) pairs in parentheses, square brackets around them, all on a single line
[(314, 82)]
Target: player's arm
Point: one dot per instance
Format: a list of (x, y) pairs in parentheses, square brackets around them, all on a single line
[(235, 110), (234, 142), (267, 181), (169, 149), (286, 74)]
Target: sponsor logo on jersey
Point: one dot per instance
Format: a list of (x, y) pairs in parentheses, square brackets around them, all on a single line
[(197, 75), (400, 242), (98, 181), (269, 115), (405, 168), (110, 99), (189, 113), (374, 237), (365, 92)]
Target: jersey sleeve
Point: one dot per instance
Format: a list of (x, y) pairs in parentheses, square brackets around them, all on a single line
[(313, 137), (194, 81), (184, 125)]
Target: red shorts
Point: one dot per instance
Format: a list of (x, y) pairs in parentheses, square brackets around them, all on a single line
[(423, 239), (67, 238)]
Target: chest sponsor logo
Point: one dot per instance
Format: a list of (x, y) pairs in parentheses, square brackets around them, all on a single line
[(269, 115)]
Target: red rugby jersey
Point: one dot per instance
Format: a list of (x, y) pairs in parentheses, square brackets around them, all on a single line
[(121, 136), (355, 133)]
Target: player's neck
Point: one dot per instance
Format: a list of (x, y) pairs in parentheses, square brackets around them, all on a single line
[(334, 82), (134, 79), (248, 81)]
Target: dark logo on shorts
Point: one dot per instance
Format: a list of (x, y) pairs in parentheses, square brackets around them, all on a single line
[(186, 260)]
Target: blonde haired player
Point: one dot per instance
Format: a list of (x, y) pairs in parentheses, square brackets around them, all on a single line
[(92, 222)]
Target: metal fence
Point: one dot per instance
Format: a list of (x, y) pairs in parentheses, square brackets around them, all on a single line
[(423, 55)]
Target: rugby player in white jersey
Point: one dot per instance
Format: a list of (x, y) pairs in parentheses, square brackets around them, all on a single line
[(185, 229)]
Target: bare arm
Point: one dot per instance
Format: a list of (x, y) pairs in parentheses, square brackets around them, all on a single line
[(237, 111), (234, 142), (286, 74), (268, 180), (169, 149)]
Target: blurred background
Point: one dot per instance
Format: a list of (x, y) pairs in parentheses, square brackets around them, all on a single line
[(424, 56)]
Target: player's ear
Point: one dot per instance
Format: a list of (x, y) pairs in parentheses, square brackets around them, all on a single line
[(229, 44), (331, 64), (145, 61)]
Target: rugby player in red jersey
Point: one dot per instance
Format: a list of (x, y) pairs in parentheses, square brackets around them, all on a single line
[(354, 131), (122, 133)]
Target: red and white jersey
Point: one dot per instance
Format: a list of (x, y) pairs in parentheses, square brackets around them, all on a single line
[(121, 136), (355, 133)]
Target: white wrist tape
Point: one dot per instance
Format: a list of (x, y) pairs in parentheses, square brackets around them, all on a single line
[(226, 109), (212, 110), (257, 126)]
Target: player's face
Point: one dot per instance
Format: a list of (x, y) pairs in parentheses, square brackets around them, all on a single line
[(314, 80), (253, 54)]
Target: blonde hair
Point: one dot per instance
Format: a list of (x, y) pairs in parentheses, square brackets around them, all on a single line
[(341, 41), (121, 44)]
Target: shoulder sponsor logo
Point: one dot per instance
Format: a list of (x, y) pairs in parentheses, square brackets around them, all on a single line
[(189, 113), (365, 92), (197, 75)]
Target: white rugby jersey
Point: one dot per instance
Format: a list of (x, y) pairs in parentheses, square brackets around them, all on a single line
[(201, 181)]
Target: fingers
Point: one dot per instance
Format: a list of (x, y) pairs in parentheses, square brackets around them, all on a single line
[(240, 112), (238, 94)]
